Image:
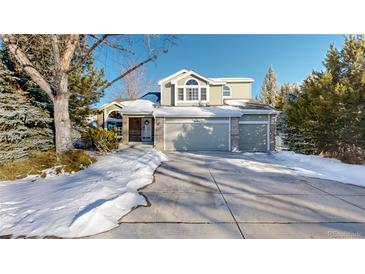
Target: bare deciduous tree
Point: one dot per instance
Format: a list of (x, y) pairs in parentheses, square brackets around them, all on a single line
[(53, 79), (135, 83)]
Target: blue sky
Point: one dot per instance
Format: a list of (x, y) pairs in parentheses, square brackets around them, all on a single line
[(292, 56)]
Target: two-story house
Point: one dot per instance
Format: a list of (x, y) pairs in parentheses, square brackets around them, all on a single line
[(194, 112)]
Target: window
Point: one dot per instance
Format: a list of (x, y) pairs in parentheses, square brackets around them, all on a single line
[(192, 82), (226, 91), (203, 94), (192, 94), (180, 94), (192, 91)]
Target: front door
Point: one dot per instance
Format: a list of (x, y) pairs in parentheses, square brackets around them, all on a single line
[(135, 129), (146, 129)]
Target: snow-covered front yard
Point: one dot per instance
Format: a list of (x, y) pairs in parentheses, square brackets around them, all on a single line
[(80, 204), (287, 162)]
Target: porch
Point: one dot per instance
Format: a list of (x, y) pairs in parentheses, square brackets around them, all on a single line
[(138, 129)]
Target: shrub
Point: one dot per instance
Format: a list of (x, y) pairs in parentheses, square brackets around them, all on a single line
[(36, 163), (101, 139)]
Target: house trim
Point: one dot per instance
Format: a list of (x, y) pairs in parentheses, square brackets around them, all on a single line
[(172, 76)]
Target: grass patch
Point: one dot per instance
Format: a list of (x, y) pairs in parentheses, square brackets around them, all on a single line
[(35, 164)]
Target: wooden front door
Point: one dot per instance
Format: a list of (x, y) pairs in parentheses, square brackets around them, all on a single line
[(135, 126)]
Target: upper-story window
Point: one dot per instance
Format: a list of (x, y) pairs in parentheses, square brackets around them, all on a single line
[(226, 91), (192, 91), (192, 82)]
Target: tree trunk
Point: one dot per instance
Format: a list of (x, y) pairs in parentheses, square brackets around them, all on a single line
[(62, 123)]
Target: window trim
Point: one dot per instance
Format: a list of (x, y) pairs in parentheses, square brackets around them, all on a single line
[(184, 87), (230, 91), (191, 79)]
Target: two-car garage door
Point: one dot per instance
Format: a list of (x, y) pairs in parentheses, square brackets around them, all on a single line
[(197, 134), (206, 134)]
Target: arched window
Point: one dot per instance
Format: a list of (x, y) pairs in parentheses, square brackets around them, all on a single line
[(192, 90), (226, 91), (114, 121), (192, 82)]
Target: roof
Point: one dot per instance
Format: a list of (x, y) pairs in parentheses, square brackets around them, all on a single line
[(172, 76), (234, 79), (251, 106), (190, 72), (154, 97), (219, 111), (137, 106), (213, 81)]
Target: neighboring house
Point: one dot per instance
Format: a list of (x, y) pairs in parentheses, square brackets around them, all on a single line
[(193, 112)]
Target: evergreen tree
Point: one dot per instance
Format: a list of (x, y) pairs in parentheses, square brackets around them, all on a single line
[(330, 111), (19, 95), (25, 121), (269, 88), (84, 85)]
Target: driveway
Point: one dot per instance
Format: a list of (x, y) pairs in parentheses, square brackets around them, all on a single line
[(204, 195)]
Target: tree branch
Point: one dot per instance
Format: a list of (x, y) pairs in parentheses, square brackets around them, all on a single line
[(111, 45), (88, 53), (69, 52), (149, 59), (10, 41), (56, 50)]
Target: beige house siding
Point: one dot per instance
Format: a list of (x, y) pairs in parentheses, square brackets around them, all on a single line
[(215, 95), (239, 90), (166, 95)]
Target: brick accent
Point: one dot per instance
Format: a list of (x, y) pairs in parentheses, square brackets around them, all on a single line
[(235, 134), (273, 118), (159, 133), (125, 129)]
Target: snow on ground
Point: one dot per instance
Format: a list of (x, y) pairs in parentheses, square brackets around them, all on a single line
[(288, 162), (80, 204)]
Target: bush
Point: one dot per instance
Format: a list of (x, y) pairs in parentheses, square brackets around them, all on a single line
[(37, 163), (101, 139)]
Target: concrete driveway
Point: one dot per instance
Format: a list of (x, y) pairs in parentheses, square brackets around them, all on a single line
[(201, 195)]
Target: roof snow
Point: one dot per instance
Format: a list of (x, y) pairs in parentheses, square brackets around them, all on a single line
[(137, 106), (220, 111)]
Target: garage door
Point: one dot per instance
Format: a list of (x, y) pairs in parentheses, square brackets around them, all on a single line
[(254, 133), (197, 134)]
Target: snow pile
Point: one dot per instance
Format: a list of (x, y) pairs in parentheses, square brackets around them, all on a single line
[(81, 204), (221, 111), (288, 162), (139, 105), (325, 168)]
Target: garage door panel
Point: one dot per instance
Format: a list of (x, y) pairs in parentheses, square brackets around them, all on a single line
[(189, 135), (253, 137)]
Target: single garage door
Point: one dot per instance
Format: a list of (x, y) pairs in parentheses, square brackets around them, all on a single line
[(254, 133), (197, 134)]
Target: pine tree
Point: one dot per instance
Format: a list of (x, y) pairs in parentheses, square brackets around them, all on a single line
[(25, 121), (287, 136), (330, 111), (84, 86), (269, 88), (19, 95)]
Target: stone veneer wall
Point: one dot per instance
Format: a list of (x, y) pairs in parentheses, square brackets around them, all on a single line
[(125, 129), (235, 134), (273, 118), (159, 133)]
